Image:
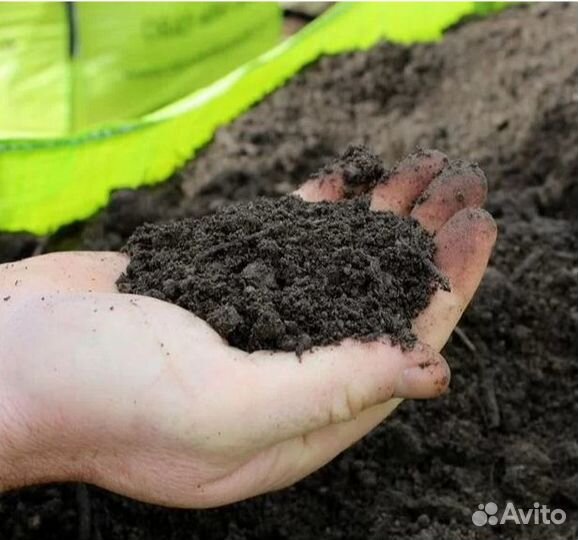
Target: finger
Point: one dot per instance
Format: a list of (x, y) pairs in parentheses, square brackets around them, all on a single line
[(335, 384), (460, 185), (355, 172), (321, 446), (325, 187), (408, 180), (286, 462), (75, 271), (464, 245)]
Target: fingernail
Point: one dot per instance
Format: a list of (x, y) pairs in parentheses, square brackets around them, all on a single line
[(423, 381)]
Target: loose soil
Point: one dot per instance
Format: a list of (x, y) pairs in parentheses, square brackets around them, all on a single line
[(285, 274), (501, 92)]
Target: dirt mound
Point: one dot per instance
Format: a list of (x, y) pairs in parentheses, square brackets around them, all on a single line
[(286, 274)]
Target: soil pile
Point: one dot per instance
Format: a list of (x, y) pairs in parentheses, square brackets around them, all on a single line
[(501, 92), (286, 274)]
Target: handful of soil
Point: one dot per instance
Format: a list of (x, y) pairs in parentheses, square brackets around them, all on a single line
[(286, 274)]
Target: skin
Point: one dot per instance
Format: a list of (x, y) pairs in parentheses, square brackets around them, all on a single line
[(143, 398)]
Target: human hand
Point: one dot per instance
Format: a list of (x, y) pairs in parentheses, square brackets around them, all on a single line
[(143, 398)]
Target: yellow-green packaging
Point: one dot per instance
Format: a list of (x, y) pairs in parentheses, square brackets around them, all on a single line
[(45, 183)]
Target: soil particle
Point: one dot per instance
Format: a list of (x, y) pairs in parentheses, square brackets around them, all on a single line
[(288, 274)]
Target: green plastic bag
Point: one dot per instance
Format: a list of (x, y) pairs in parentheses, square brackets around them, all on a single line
[(47, 183), (34, 71), (68, 67)]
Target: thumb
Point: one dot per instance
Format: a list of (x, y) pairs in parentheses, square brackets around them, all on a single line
[(290, 396)]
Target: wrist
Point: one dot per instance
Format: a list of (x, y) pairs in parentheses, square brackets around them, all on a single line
[(17, 445), (33, 450), (33, 442), (9, 446)]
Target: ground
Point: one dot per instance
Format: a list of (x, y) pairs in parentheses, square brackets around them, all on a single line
[(501, 92)]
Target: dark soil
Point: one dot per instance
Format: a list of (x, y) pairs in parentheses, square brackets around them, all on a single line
[(286, 274), (501, 92), (359, 168)]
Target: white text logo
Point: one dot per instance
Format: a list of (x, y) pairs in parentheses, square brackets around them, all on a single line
[(539, 514)]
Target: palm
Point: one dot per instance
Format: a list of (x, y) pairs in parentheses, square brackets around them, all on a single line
[(180, 418)]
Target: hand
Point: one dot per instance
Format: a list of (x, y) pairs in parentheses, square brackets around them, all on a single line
[(143, 398)]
